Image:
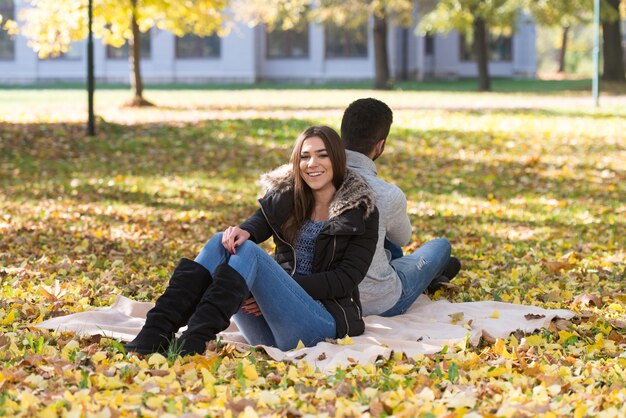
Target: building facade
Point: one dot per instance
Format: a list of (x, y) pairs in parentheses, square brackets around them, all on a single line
[(314, 53)]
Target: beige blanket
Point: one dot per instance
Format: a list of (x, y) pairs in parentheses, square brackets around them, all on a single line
[(426, 328)]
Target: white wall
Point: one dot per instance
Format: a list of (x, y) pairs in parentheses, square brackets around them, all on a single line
[(23, 68), (316, 67), (525, 49), (236, 63)]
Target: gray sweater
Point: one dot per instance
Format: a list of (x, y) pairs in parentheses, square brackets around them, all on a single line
[(381, 288)]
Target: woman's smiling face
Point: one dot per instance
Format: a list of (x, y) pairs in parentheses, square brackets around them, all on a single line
[(316, 168)]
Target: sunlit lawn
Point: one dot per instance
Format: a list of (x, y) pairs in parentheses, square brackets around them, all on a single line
[(529, 188)]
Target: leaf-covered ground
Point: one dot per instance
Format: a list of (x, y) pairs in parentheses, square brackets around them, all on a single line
[(530, 190)]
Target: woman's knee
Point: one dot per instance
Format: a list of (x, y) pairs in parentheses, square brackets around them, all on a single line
[(214, 244), (248, 249), (215, 239), (212, 249)]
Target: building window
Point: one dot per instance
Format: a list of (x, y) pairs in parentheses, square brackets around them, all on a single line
[(429, 44), (290, 43), (346, 43), (7, 43), (500, 48), (194, 46), (122, 52)]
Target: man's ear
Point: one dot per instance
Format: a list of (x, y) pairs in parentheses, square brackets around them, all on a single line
[(379, 147)]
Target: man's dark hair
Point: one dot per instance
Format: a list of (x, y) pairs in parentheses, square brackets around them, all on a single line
[(364, 123)]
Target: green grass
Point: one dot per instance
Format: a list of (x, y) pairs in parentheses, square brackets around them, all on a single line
[(462, 85), (528, 187)]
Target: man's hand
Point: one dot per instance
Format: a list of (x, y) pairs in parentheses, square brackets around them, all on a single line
[(233, 237)]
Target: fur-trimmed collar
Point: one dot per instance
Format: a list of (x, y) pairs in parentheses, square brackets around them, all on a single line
[(353, 192)]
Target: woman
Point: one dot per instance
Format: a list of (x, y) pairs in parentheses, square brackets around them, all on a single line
[(325, 227)]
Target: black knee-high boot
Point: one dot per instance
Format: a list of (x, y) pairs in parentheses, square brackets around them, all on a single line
[(220, 301), (173, 308)]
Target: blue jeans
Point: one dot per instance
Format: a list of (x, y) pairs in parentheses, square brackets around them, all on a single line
[(417, 270), (289, 314)]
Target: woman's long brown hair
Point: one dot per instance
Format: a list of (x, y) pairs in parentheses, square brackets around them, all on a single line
[(302, 195)]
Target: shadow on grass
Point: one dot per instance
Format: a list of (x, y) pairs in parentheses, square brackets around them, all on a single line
[(46, 151), (495, 227), (493, 110), (491, 168), (40, 161)]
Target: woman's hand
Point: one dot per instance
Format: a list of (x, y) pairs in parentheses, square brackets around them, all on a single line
[(250, 307), (233, 237)]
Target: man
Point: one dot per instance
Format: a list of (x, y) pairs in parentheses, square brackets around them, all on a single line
[(392, 284)]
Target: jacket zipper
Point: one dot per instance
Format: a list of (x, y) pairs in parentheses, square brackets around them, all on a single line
[(345, 317), (295, 260)]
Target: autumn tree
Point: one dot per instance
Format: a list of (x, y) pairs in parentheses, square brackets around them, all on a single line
[(564, 14), (52, 25), (474, 19)]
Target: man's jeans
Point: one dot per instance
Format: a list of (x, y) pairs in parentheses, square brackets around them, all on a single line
[(289, 314), (417, 270), (395, 251)]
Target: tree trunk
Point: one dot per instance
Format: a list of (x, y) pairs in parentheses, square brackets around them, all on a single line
[(563, 49), (91, 79), (382, 79), (612, 52), (134, 59), (482, 54)]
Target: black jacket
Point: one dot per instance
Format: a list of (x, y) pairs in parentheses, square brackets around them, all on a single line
[(343, 250)]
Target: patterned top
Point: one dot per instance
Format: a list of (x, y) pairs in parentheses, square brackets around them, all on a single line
[(305, 246)]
